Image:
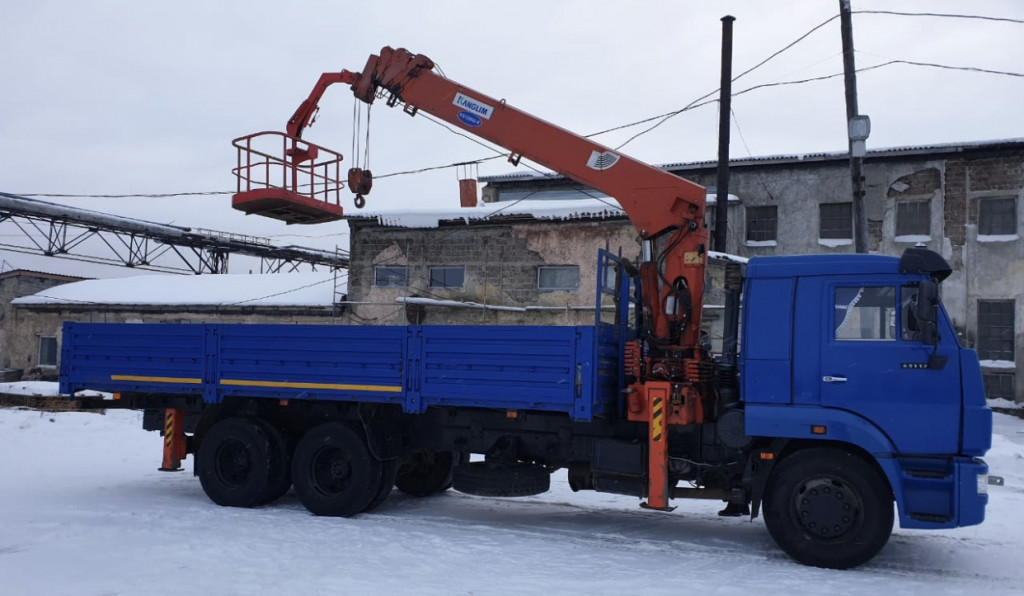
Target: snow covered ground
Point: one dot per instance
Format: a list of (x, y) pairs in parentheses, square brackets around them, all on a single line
[(83, 511)]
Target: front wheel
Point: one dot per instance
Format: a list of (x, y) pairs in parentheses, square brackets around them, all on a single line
[(828, 508)]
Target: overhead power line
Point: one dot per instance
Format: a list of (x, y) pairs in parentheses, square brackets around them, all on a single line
[(659, 119), (938, 14)]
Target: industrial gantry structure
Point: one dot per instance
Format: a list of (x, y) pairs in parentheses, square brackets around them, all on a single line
[(80, 234)]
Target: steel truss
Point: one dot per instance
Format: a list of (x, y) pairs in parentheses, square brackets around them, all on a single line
[(78, 234)]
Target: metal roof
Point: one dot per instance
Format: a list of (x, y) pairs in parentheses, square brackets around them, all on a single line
[(909, 151)]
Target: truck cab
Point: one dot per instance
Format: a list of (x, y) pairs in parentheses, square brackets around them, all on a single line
[(857, 352)]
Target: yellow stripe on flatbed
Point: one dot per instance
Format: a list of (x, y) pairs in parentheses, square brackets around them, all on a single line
[(291, 385), (185, 380)]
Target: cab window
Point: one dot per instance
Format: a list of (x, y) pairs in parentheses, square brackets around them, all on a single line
[(865, 313)]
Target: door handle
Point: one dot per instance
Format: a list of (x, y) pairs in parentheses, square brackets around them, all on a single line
[(833, 379)]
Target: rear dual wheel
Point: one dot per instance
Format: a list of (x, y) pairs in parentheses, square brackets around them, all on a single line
[(243, 463), (336, 475)]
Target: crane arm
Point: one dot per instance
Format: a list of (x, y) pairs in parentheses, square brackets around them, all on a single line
[(658, 203), (654, 200)]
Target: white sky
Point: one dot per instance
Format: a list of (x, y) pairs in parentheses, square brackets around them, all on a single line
[(118, 96)]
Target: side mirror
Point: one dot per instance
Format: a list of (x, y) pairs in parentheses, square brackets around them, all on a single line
[(926, 312)]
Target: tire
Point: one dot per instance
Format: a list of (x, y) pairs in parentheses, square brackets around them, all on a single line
[(495, 480), (233, 463), (279, 475), (333, 472), (389, 472), (426, 473), (828, 508)]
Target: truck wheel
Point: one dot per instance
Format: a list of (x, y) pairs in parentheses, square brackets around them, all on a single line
[(334, 472), (426, 473), (279, 475), (389, 471), (500, 480), (828, 508), (233, 462)]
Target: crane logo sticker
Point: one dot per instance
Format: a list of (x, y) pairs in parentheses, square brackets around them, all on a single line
[(469, 119), (602, 160), (473, 112)]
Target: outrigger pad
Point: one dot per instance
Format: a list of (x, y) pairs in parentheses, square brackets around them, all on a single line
[(287, 206)]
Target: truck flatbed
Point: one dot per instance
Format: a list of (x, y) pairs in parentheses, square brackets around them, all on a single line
[(574, 370)]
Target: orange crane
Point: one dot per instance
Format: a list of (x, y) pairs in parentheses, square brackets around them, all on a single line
[(671, 368)]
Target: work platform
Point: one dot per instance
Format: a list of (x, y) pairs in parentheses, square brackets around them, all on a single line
[(288, 179)]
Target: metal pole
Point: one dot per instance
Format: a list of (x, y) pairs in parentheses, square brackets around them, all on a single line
[(860, 222), (725, 109)]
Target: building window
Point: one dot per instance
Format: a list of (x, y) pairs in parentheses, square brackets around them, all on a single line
[(47, 351), (562, 277), (762, 223), (836, 222), (913, 218), (391, 277), (995, 329), (998, 385), (997, 217), (447, 277)]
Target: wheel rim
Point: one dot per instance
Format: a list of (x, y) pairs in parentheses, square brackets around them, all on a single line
[(233, 463), (827, 508), (331, 471)]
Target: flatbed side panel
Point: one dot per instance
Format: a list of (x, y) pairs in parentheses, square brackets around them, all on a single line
[(349, 363), (161, 358), (510, 367)]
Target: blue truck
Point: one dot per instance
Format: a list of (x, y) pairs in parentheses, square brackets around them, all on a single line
[(840, 388), (853, 394)]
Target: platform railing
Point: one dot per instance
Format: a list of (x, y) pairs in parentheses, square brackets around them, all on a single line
[(274, 160)]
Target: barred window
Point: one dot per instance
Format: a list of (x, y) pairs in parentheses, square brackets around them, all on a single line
[(447, 277), (391, 277), (913, 218), (762, 223), (995, 329), (997, 216), (998, 385), (836, 221)]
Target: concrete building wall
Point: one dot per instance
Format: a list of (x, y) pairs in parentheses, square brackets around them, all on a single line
[(501, 261), (15, 284)]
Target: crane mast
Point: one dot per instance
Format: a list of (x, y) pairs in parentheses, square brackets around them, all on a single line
[(670, 367)]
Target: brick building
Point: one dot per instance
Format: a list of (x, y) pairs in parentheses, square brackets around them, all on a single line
[(35, 348)]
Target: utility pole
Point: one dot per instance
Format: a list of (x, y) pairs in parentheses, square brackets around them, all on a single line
[(858, 129), (725, 110)]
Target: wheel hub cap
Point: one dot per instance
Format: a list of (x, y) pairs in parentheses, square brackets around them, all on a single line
[(827, 508)]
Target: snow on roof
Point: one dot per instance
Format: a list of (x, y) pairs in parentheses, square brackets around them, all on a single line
[(600, 207), (724, 256), (552, 210), (280, 289)]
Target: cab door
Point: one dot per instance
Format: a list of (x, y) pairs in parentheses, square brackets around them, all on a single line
[(874, 364)]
